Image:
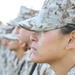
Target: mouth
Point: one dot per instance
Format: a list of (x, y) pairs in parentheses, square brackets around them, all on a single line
[(33, 52), (33, 49)]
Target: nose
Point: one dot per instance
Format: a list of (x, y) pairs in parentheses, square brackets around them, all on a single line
[(34, 37)]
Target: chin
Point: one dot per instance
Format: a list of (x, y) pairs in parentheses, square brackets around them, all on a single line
[(10, 49), (35, 59)]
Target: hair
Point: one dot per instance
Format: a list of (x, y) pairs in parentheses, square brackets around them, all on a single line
[(26, 47), (68, 28)]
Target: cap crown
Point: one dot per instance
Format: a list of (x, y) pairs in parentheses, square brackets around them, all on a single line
[(58, 11), (53, 14)]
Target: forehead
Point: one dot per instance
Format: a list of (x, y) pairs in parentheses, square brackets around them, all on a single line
[(55, 30), (24, 31), (51, 33)]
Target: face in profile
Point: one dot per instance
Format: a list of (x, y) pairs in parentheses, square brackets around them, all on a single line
[(13, 45), (49, 46), (5, 41), (24, 36)]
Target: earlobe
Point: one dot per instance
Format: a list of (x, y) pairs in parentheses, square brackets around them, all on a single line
[(71, 44), (23, 45)]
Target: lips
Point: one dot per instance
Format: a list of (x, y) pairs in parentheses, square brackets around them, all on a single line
[(33, 49)]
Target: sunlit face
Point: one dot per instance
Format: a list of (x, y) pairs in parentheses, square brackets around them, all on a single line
[(13, 45), (5, 41), (48, 46), (24, 35)]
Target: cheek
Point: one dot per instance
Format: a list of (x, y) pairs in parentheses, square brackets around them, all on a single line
[(4, 42), (16, 44), (46, 45), (21, 32), (48, 48), (21, 36), (24, 38), (13, 45), (44, 50)]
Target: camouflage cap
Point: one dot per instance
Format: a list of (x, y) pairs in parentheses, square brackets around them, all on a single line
[(11, 36), (3, 30), (24, 13), (1, 35), (6, 27), (53, 14)]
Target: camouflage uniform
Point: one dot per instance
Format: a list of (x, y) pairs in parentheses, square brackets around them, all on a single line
[(27, 66), (4, 52), (3, 59), (41, 69), (72, 71), (12, 64)]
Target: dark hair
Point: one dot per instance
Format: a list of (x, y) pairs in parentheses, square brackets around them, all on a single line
[(68, 28), (26, 47)]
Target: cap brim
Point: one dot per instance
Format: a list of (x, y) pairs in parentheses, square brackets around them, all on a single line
[(13, 22), (1, 35), (11, 37), (40, 24), (33, 24)]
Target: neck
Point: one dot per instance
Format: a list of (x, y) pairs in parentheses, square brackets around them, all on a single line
[(20, 53), (63, 66)]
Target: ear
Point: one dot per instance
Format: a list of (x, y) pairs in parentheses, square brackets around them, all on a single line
[(22, 45), (71, 42)]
